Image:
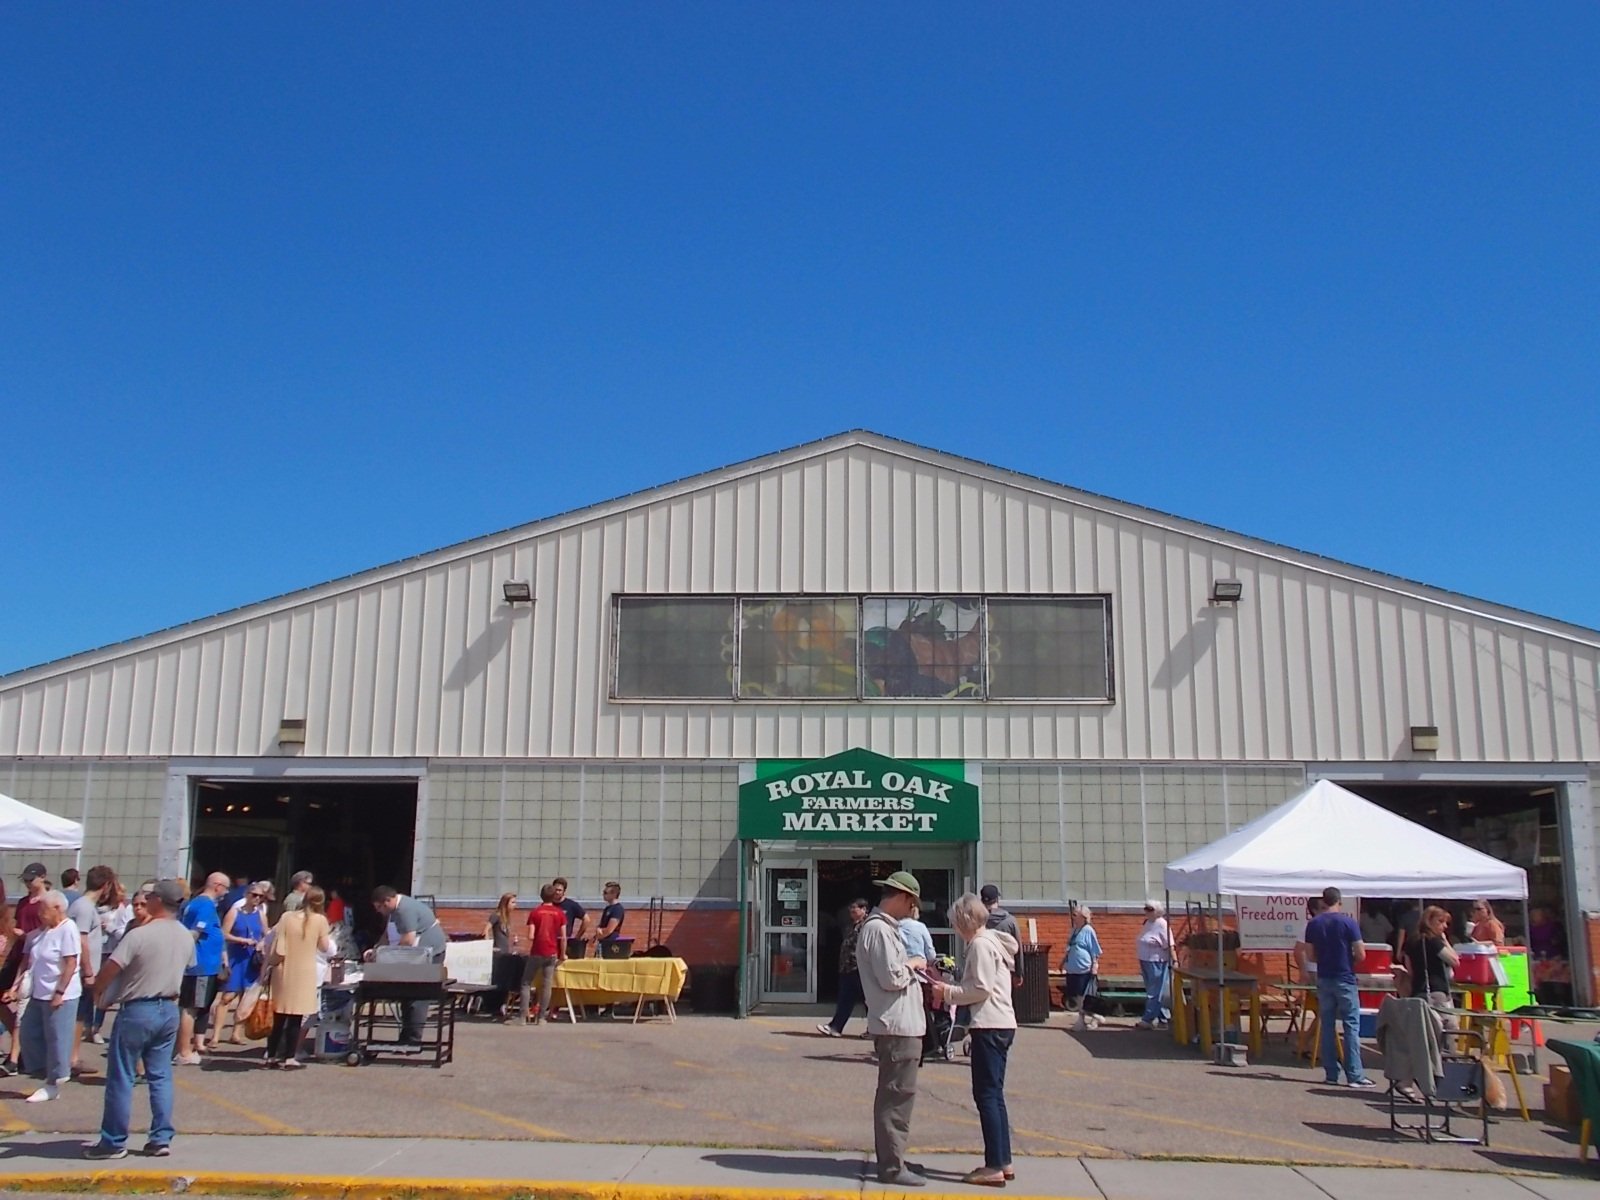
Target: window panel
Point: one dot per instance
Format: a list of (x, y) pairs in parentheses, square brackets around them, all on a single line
[(923, 646), (798, 649), (674, 649), (1048, 648)]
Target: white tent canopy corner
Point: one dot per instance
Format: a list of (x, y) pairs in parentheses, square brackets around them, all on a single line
[(1326, 836), (23, 827)]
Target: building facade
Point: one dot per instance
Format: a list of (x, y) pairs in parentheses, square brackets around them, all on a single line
[(746, 693)]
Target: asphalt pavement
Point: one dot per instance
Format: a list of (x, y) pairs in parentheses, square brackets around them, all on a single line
[(766, 1092)]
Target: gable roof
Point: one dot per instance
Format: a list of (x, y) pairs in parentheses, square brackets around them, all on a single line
[(975, 468)]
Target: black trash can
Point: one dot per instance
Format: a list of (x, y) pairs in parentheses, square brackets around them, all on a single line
[(1032, 999)]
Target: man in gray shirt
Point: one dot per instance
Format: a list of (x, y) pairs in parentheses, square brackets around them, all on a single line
[(146, 970), (84, 912), (417, 926)]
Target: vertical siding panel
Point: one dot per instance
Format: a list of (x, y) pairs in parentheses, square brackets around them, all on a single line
[(902, 532), (1586, 687), (1463, 701), (1541, 700), (1341, 711), (74, 705), (411, 686), (1564, 703), (1241, 667), (1513, 683), (1271, 673), (160, 738), (969, 535), (52, 704), (812, 527), (1489, 691), (430, 661), (186, 714), (1441, 687), (1212, 712), (210, 680), (1106, 736), (252, 676), (1367, 688), (553, 645), (384, 689), (1136, 739), (586, 600), (1293, 656), (363, 654), (1414, 665), (338, 682), (1391, 681), (856, 511)]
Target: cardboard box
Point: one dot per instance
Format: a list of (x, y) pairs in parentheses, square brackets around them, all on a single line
[(1560, 1105)]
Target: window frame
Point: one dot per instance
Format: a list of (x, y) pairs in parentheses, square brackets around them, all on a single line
[(737, 601)]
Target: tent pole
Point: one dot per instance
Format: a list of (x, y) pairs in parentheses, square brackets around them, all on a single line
[(1172, 955), (1221, 999)]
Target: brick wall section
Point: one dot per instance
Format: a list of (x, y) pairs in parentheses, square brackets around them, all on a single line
[(702, 937)]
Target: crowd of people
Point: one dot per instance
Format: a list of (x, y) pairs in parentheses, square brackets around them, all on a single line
[(558, 928)]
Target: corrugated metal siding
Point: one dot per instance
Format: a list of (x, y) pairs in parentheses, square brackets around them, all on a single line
[(430, 662)]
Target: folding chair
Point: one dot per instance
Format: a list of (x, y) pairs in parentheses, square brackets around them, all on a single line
[(1461, 1085)]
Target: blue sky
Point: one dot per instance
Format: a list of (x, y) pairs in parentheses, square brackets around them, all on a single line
[(288, 291)]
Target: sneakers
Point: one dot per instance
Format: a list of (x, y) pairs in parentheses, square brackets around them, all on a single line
[(1363, 1084), (1143, 1025), (48, 1092), (188, 1060), (7, 1068), (155, 1150), (97, 1038), (827, 1030), (101, 1150)]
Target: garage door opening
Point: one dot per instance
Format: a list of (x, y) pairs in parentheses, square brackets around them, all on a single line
[(350, 836), (1517, 823)]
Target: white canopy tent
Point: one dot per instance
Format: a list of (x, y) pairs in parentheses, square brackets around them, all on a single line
[(1329, 836), (23, 827)]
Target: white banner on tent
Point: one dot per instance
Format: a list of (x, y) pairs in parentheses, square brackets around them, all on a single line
[(1270, 922), (1277, 922)]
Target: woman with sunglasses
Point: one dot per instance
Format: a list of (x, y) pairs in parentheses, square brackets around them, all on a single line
[(1154, 948), (243, 930)]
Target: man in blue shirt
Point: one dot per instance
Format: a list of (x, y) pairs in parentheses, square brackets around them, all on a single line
[(201, 918), (1334, 944)]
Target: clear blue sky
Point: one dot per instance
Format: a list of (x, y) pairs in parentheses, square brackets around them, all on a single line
[(288, 291)]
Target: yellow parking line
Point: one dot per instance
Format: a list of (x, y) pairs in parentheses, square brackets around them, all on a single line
[(270, 1124), (515, 1123)]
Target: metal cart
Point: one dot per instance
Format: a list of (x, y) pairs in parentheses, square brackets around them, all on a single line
[(378, 1019)]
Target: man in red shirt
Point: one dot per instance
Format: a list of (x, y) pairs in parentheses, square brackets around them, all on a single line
[(547, 949)]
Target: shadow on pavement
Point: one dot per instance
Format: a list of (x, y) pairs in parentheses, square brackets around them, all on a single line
[(1131, 1046), (789, 1164), (1547, 1163), (67, 1148), (1378, 1131)]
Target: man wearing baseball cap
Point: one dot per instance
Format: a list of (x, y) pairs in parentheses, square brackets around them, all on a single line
[(893, 990), (147, 968)]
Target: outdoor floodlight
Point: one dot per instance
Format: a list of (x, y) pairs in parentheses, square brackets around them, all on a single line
[(1226, 591), (1424, 737), (517, 591)]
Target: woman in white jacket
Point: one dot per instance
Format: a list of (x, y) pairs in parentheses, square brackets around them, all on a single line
[(985, 988)]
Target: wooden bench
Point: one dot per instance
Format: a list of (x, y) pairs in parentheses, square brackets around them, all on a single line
[(1125, 992)]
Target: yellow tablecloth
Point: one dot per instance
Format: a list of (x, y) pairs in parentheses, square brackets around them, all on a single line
[(614, 980)]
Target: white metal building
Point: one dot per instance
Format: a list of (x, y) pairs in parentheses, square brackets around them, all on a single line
[(1066, 655)]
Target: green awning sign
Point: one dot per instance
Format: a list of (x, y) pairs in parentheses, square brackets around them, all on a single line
[(859, 796)]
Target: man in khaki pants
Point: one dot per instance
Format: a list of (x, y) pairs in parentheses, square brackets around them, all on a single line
[(896, 1022)]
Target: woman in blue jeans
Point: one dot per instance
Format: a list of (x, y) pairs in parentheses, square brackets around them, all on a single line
[(986, 988), (1154, 948), (51, 966)]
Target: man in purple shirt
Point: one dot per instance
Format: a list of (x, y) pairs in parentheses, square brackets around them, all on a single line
[(1334, 943)]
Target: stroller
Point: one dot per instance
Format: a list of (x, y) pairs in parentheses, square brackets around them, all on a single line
[(944, 1028)]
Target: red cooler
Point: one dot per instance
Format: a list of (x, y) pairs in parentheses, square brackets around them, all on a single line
[(1379, 961)]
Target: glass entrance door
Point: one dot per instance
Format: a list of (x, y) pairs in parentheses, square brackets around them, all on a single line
[(788, 932)]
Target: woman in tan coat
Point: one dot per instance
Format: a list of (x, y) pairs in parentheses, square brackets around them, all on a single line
[(296, 938)]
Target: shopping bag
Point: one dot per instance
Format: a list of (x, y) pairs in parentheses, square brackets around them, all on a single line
[(258, 1023)]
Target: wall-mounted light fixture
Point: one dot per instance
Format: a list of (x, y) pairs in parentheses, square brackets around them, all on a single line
[(517, 591), (1424, 737), (1226, 591), (292, 731)]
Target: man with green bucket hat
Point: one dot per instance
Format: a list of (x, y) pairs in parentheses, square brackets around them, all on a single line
[(893, 989)]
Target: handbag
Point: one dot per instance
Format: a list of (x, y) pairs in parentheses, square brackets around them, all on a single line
[(258, 1022), (1093, 1004)]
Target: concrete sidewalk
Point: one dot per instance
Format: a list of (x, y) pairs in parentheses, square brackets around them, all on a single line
[(367, 1168)]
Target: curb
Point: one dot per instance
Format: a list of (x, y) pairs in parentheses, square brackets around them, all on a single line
[(342, 1187)]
